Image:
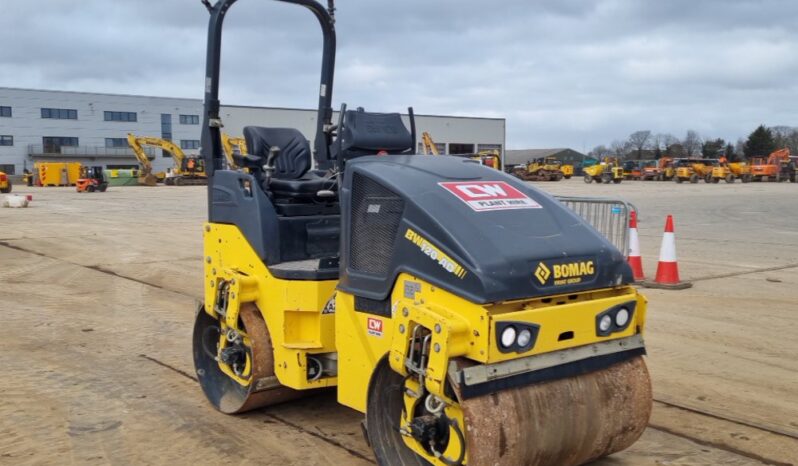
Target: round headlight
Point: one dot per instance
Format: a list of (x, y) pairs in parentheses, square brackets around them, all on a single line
[(622, 317), (605, 323), (508, 336), (524, 337)]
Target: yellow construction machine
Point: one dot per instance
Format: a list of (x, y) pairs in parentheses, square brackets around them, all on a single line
[(567, 170), (146, 176), (233, 146), (608, 171), (473, 319), (684, 170), (5, 183), (490, 158), (428, 144), (543, 169), (187, 170)]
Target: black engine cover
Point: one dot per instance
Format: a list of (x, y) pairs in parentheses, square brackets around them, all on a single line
[(469, 229)]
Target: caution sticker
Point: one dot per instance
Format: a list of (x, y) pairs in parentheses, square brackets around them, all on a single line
[(490, 195)]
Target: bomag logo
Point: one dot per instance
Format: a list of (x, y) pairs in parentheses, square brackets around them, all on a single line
[(542, 273), (567, 273)]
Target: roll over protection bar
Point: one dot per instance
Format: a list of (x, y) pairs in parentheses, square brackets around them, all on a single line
[(211, 149)]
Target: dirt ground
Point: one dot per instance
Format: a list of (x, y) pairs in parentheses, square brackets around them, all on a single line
[(97, 299)]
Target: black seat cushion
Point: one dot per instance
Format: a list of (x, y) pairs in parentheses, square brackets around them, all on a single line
[(369, 133), (295, 156), (309, 184)]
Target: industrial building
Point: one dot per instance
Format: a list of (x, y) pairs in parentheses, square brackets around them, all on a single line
[(46, 125)]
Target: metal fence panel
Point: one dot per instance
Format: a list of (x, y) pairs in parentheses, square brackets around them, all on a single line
[(610, 217)]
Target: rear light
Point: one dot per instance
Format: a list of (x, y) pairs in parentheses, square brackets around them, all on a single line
[(3, 177)]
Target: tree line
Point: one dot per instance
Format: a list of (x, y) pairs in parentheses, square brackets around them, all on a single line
[(644, 144)]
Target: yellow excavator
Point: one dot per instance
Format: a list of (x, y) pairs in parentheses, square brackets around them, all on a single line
[(428, 144), (489, 158), (473, 319), (233, 146), (187, 170), (146, 176)]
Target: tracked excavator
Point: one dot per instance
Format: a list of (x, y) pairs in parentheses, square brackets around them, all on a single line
[(146, 176), (473, 319), (187, 169), (233, 146)]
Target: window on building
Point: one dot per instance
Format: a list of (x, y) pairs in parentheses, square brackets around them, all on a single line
[(189, 119), (189, 144), (481, 147), (60, 113), (459, 148), (8, 169), (6, 140), (166, 131), (5, 112), (121, 116), (115, 142), (121, 167), (441, 146), (53, 144)]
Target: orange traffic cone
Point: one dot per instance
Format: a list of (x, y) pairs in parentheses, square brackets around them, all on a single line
[(635, 261), (668, 269)]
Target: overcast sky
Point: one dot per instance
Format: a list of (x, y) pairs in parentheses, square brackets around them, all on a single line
[(564, 73)]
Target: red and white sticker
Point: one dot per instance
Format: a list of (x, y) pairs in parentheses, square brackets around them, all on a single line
[(490, 195), (374, 327)]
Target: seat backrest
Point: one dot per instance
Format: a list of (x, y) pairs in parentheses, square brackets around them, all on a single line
[(369, 133), (295, 156)]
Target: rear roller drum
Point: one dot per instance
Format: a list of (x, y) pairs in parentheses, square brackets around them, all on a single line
[(253, 360)]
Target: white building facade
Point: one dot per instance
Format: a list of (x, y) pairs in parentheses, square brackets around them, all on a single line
[(44, 125)]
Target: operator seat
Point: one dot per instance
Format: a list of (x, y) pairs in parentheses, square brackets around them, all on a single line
[(364, 133), (292, 177)]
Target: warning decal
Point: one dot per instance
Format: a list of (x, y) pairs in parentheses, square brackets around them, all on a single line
[(490, 195)]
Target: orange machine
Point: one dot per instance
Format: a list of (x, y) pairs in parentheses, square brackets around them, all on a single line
[(662, 170), (778, 166)]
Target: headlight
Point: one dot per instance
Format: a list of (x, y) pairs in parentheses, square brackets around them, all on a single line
[(615, 319), (508, 336), (605, 323), (622, 317), (516, 337), (524, 337)]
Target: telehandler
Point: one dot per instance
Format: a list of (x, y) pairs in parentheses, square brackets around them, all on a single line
[(472, 319)]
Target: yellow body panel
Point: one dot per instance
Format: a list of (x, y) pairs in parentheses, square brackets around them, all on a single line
[(462, 329), (567, 170), (292, 309)]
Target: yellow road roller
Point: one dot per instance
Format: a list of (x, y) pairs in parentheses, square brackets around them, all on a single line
[(473, 319)]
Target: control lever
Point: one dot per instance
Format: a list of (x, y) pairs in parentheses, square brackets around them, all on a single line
[(325, 193), (268, 169)]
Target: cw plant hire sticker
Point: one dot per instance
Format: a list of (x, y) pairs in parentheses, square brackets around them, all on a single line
[(485, 196)]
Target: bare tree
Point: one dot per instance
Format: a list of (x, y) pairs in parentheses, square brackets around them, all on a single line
[(639, 141), (692, 143), (618, 148), (739, 148), (599, 152)]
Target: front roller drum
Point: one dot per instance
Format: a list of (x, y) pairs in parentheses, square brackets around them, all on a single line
[(564, 422), (224, 393)]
